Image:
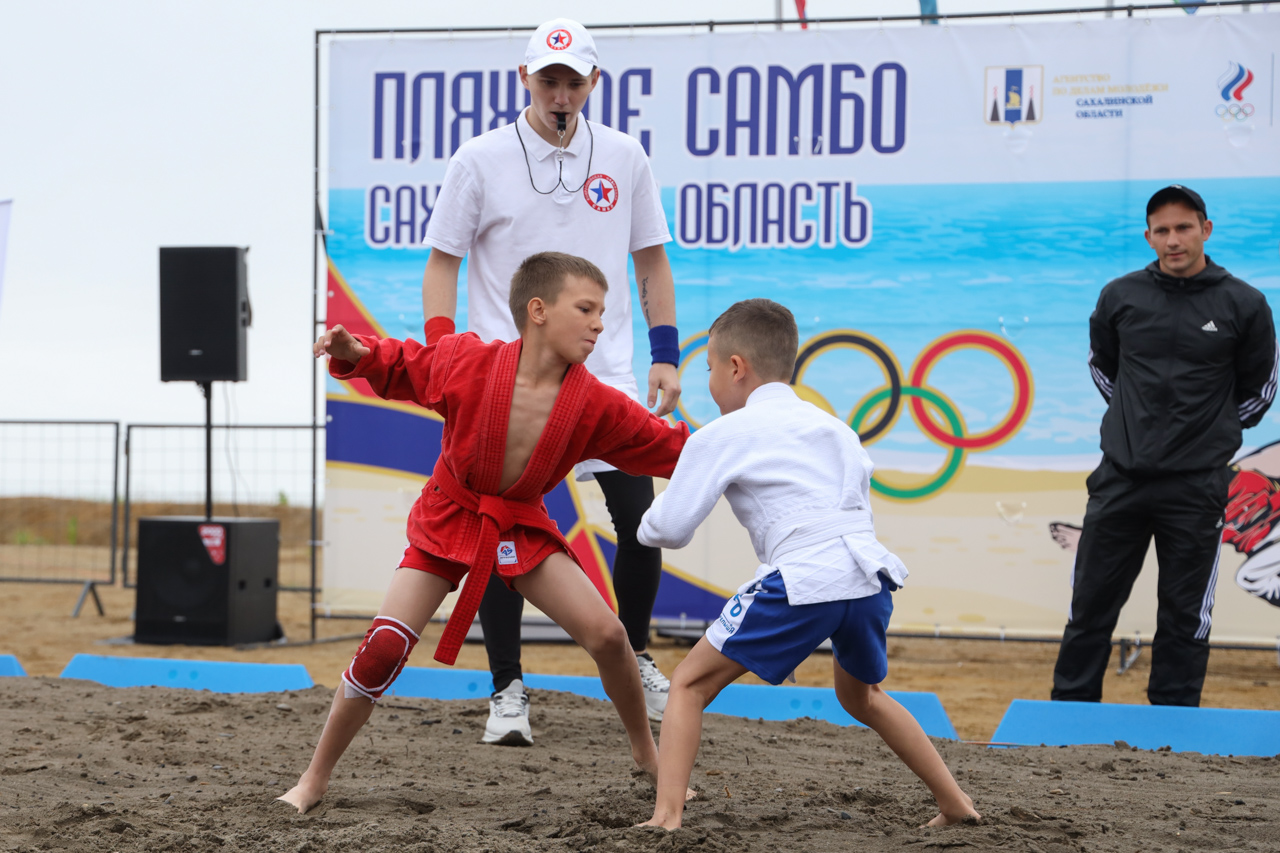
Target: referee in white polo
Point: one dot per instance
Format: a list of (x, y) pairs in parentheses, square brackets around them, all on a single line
[(555, 181)]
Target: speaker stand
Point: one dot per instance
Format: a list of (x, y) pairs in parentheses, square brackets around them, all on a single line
[(207, 388), (90, 588)]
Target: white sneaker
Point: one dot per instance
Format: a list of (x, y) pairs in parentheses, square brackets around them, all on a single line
[(509, 717), (656, 687)]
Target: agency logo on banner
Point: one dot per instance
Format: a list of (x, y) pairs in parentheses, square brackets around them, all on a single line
[(1013, 94)]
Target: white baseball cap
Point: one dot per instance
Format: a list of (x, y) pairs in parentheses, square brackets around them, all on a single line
[(561, 41)]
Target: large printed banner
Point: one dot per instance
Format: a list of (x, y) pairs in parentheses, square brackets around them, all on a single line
[(6, 208), (938, 206)]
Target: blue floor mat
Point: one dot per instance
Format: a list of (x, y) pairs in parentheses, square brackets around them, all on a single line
[(218, 676), (737, 700), (9, 666), (1212, 731)]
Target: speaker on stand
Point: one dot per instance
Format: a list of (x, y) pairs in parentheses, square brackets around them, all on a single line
[(206, 580)]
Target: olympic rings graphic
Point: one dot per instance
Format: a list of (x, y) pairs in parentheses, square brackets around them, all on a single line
[(955, 458), (876, 349), (949, 431), (1239, 112), (688, 350), (1013, 362)]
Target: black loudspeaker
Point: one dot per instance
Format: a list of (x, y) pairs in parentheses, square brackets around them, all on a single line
[(207, 582), (204, 314)]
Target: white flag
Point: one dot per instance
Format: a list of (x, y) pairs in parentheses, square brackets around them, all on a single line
[(5, 207)]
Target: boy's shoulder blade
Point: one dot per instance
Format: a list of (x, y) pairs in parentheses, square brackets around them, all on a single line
[(802, 418), (723, 427)]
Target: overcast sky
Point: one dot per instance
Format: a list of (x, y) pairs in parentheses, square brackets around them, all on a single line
[(126, 125)]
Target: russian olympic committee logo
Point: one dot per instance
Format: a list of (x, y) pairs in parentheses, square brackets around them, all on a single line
[(601, 192), (559, 39), (936, 415), (1231, 86)]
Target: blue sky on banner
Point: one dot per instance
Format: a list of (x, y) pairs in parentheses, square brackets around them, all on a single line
[(979, 222), (201, 117)]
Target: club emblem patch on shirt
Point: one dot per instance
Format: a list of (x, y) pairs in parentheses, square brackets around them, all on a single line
[(559, 39), (507, 554), (601, 192)]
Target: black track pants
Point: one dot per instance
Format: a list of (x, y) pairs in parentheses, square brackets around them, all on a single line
[(637, 569), (1184, 513)]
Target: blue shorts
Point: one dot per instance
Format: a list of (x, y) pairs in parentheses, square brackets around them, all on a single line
[(762, 631)]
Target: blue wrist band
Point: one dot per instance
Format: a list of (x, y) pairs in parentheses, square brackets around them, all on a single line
[(664, 345)]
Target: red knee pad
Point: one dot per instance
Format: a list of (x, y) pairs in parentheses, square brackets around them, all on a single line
[(379, 659)]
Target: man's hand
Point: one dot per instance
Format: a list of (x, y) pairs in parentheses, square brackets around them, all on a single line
[(340, 344), (665, 377)]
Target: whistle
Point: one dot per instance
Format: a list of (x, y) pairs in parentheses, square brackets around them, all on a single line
[(561, 122)]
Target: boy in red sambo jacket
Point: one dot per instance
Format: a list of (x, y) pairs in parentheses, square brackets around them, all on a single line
[(518, 417)]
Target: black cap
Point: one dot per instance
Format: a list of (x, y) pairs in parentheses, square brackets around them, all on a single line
[(1176, 193)]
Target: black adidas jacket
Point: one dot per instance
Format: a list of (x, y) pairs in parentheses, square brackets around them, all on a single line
[(1184, 363)]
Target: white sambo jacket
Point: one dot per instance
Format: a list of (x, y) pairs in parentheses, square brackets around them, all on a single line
[(798, 480)]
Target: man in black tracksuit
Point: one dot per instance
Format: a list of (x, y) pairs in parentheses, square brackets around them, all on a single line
[(1185, 355)]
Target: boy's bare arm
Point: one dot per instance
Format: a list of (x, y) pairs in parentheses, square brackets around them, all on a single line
[(340, 344), (440, 285)]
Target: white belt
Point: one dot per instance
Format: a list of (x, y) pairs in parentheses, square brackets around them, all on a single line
[(813, 528)]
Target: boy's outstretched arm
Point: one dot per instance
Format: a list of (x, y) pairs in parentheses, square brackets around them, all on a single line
[(340, 344), (395, 370), (700, 478), (643, 444)]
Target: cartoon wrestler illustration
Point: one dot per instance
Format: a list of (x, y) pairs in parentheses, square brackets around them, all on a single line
[(1250, 524)]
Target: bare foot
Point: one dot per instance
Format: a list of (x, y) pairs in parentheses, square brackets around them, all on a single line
[(962, 812), (661, 824), (651, 776), (304, 795)]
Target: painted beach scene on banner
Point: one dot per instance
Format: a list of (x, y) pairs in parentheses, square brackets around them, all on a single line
[(941, 244)]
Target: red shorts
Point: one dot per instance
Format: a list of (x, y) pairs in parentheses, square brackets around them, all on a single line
[(416, 558), (453, 572)]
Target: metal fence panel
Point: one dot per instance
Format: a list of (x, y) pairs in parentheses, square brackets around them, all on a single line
[(59, 507), (261, 471)]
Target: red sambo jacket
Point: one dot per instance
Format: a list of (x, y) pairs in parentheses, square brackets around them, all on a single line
[(460, 516)]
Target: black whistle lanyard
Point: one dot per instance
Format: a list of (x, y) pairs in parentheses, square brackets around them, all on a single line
[(559, 159)]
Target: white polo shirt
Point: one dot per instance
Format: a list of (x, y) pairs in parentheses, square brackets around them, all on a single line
[(488, 207)]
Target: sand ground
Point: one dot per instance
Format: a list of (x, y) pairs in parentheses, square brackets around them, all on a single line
[(975, 680), (91, 768)]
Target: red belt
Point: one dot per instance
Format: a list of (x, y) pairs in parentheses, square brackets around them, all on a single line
[(497, 516)]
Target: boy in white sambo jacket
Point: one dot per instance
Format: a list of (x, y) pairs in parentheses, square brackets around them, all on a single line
[(799, 481)]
